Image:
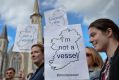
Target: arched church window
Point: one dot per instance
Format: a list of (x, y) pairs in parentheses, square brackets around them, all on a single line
[(16, 62)]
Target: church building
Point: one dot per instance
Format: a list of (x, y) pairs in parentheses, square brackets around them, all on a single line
[(19, 60)]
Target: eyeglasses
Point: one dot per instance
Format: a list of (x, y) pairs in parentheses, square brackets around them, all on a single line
[(9, 72), (88, 55)]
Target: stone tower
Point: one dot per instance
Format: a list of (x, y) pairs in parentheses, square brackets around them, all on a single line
[(36, 19), (3, 51)]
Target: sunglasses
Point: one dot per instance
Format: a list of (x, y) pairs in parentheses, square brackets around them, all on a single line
[(88, 55), (9, 72)]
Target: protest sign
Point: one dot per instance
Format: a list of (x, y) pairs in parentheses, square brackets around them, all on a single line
[(26, 36), (56, 17), (65, 57)]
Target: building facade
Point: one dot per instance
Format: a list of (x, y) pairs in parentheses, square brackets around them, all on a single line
[(3, 51), (19, 60)]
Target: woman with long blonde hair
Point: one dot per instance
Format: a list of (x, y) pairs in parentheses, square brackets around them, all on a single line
[(94, 62)]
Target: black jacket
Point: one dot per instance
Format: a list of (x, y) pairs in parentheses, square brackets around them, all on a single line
[(114, 66), (39, 74)]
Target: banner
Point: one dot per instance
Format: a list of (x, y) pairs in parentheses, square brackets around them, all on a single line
[(65, 57), (56, 17), (26, 36)]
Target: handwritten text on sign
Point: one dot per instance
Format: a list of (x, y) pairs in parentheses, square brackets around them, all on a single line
[(26, 36), (65, 53)]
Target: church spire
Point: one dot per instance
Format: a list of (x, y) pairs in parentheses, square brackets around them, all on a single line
[(35, 11), (36, 7), (4, 33), (36, 19)]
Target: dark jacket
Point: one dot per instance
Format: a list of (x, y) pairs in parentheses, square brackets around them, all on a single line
[(114, 66), (39, 74)]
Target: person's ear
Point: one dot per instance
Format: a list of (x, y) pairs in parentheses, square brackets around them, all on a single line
[(109, 32)]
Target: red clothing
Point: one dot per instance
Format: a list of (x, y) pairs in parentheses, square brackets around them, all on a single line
[(105, 73)]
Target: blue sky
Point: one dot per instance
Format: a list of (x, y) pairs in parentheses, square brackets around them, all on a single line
[(17, 12)]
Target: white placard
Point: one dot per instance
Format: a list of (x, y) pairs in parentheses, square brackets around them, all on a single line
[(26, 36), (65, 53), (56, 17)]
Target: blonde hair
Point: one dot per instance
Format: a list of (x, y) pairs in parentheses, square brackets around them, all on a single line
[(98, 62)]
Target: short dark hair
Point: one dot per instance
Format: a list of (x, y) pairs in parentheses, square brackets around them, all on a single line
[(39, 45), (103, 24), (11, 68)]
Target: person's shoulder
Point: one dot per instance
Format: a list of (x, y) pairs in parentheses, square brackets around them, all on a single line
[(3, 79), (95, 74), (97, 69)]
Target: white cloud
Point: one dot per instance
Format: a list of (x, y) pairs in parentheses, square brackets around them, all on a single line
[(47, 2), (11, 41), (10, 38), (76, 5), (92, 9), (16, 12)]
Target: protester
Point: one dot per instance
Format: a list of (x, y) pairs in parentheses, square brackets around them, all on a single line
[(10, 74), (104, 35), (21, 75), (37, 56), (95, 63)]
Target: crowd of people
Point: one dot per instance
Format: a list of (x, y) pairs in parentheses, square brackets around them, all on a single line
[(104, 35), (37, 56)]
